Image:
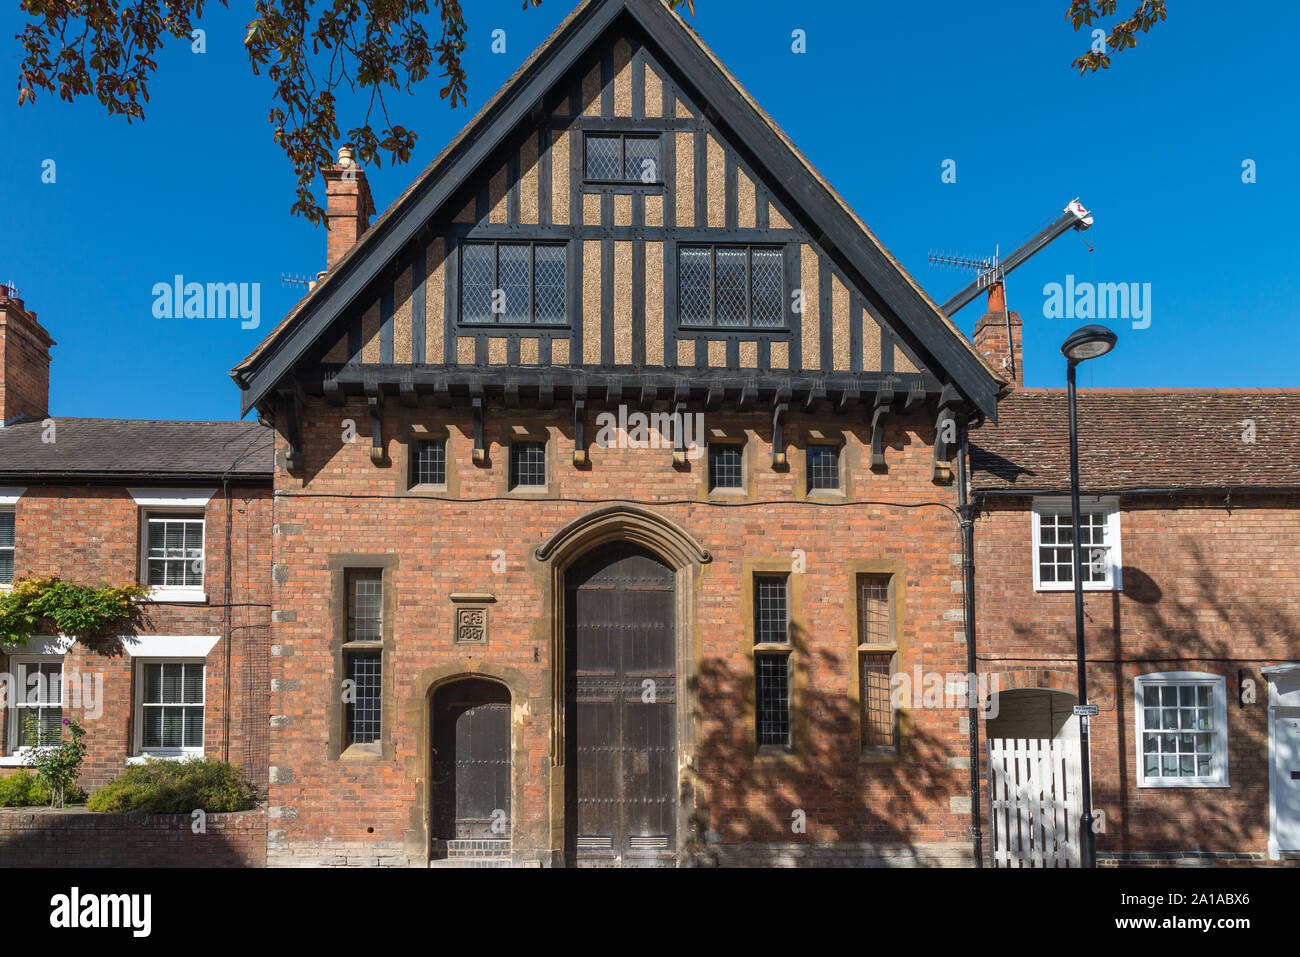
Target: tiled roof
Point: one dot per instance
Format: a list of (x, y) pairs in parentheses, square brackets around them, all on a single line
[(1142, 438), (136, 447)]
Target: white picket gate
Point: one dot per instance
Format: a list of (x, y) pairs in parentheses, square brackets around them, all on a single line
[(1034, 802)]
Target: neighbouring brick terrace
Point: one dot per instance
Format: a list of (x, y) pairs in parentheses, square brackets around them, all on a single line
[(1211, 583)]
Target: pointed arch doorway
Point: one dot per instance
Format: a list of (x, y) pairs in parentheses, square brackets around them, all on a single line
[(621, 694)]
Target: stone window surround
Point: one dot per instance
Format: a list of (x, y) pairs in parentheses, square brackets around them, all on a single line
[(339, 565)]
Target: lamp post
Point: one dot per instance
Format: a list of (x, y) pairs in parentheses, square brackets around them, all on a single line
[(1082, 344)]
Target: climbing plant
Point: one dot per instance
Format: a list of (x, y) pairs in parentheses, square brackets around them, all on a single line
[(51, 605)]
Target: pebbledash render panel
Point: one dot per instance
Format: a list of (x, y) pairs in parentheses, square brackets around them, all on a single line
[(613, 485)]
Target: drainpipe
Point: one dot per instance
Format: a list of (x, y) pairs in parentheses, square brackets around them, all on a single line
[(966, 514)]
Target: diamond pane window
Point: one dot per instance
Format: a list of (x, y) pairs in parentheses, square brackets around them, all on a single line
[(512, 283), (765, 286), (429, 462), (641, 159), (622, 158), (823, 467), (730, 286), (175, 552), (171, 705), (477, 280), (527, 464), (604, 159), (695, 292), (6, 546), (726, 465), (548, 284)]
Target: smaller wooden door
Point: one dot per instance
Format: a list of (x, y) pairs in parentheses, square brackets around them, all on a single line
[(471, 762)]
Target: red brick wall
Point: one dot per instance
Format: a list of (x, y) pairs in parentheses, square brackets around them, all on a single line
[(92, 536), (443, 547), (1207, 588), (76, 838)]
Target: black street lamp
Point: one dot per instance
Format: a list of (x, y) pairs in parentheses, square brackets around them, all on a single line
[(1083, 344)]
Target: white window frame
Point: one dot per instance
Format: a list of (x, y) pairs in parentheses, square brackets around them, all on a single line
[(139, 753), (1087, 503), (16, 688), (1218, 776), (173, 593), (8, 505)]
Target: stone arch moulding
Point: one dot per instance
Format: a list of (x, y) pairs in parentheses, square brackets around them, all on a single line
[(419, 716), (623, 523), (687, 557)]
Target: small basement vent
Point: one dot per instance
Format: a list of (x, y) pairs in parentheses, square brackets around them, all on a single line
[(595, 841), (648, 841)]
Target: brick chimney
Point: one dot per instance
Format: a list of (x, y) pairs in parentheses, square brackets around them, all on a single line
[(992, 332), (348, 205), (24, 362)]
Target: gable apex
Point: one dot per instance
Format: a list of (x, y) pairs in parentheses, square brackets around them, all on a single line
[(898, 303)]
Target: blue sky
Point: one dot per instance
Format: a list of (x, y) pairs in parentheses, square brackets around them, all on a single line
[(883, 96)]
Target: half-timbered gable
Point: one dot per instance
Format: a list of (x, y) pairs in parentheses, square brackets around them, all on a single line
[(622, 219)]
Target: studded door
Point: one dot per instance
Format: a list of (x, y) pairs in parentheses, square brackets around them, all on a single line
[(621, 765)]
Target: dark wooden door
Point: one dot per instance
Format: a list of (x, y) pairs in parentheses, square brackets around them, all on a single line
[(471, 762), (621, 761)]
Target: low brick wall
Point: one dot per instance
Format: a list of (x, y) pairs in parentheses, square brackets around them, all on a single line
[(75, 837)]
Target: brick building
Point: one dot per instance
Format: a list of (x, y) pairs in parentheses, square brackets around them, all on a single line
[(511, 621), (610, 513), (182, 507), (1189, 517)]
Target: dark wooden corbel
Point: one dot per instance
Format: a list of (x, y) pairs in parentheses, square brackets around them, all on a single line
[(945, 432), (816, 392), (780, 406), (476, 408), (293, 402), (748, 395), (546, 396), (713, 398), (679, 433), (441, 392), (884, 402), (409, 398), (579, 425), (848, 399), (375, 402), (333, 392), (915, 398), (511, 392)]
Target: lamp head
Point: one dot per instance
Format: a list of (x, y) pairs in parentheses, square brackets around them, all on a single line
[(1088, 342)]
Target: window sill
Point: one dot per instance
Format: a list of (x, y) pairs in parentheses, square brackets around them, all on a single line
[(879, 755), (1183, 783), (177, 596), (531, 491), (1069, 587), (13, 760), (362, 753), (825, 495), (135, 759)]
